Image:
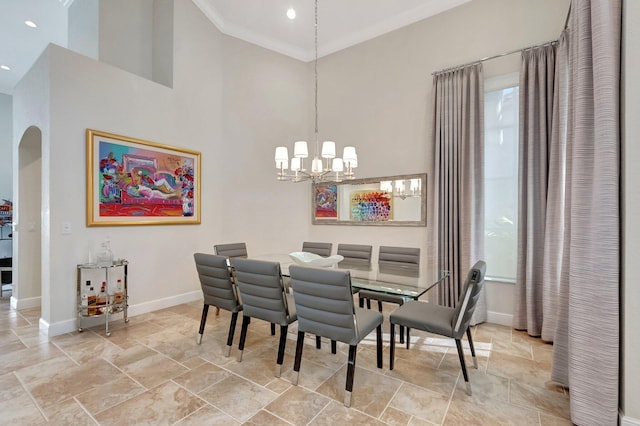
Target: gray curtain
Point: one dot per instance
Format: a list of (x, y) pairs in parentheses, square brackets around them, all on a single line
[(586, 344), (569, 242), (459, 178), (542, 166)]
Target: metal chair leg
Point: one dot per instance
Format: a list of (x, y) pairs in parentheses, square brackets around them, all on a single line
[(473, 351), (298, 359), (243, 335), (463, 365), (232, 330), (281, 345), (392, 347), (351, 369), (203, 320)]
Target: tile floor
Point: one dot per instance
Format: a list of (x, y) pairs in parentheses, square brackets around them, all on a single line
[(151, 371)]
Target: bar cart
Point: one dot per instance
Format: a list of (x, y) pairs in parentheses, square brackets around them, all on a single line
[(102, 291)]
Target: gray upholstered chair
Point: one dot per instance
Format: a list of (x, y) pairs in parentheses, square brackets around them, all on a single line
[(405, 260), (324, 303), (355, 255), (264, 297), (218, 291), (443, 320), (321, 249), (231, 250)]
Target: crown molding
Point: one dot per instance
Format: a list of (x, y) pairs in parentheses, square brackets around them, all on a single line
[(409, 17)]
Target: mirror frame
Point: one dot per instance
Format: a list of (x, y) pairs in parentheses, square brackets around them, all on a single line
[(423, 205)]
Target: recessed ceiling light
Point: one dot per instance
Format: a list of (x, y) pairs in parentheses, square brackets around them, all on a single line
[(5, 67), (291, 13), (30, 24)]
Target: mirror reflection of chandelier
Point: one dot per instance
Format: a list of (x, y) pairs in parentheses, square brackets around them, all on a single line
[(398, 188), (325, 166)]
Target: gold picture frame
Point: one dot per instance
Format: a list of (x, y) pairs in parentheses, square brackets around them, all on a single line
[(137, 182)]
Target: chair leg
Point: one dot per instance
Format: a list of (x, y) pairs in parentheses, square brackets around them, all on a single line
[(203, 320), (402, 334), (351, 369), (463, 365), (473, 351), (243, 335), (273, 329), (318, 342), (298, 359), (217, 311), (392, 346), (232, 330), (379, 345), (368, 303), (360, 301), (334, 347), (281, 345), (408, 338)]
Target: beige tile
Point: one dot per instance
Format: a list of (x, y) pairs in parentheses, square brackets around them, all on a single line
[(201, 377), (521, 348), (259, 365), (153, 370), (549, 420), (107, 395), (484, 387), (130, 355), (298, 405), (44, 370), (337, 414), (522, 370), (311, 375), (278, 385), (69, 382), (550, 401), (487, 332), (463, 412), (26, 357), (265, 418), (238, 397), (163, 405), (394, 417), (31, 336), (420, 375), (420, 402), (371, 393), (91, 349), (8, 347), (16, 405), (208, 415), (68, 412)]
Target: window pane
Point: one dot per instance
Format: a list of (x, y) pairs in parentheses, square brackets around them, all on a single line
[(501, 182)]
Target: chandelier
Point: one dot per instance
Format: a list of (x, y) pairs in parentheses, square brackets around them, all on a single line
[(334, 169), (398, 188)]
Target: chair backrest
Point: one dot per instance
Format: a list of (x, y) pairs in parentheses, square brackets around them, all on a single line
[(261, 290), (468, 299), (403, 256), (215, 280), (324, 302), (355, 254), (231, 250), (321, 249)]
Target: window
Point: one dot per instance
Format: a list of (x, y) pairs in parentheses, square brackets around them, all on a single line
[(501, 176)]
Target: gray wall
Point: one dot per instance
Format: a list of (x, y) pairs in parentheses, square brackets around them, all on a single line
[(6, 167)]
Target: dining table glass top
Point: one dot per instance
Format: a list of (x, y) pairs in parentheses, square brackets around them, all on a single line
[(402, 280)]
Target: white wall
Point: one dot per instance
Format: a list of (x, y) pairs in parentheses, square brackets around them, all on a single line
[(377, 95), (630, 292), (6, 168), (84, 27)]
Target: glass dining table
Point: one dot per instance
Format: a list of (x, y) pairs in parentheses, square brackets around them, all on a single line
[(402, 280)]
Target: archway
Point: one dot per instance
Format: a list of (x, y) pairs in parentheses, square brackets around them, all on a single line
[(27, 262)]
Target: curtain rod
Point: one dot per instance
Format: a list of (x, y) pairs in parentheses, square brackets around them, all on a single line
[(488, 58)]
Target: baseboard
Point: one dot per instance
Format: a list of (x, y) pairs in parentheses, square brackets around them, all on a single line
[(628, 421), (500, 318), (31, 302), (167, 302), (67, 326)]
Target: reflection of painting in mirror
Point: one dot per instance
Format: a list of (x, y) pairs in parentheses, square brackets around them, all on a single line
[(326, 202), (401, 201), (370, 206)]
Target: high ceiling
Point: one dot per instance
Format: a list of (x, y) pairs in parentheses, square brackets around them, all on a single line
[(341, 23)]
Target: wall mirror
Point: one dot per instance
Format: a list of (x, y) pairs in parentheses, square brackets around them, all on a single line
[(380, 201)]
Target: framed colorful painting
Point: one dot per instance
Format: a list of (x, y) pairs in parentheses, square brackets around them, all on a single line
[(136, 182), (326, 202), (371, 206)]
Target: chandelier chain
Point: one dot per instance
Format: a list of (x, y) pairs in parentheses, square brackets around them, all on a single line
[(315, 73)]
